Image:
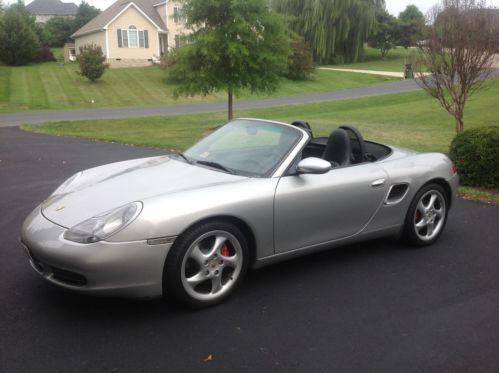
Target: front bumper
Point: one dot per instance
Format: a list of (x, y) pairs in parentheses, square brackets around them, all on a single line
[(128, 269)]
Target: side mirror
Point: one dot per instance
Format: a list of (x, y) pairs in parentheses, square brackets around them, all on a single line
[(313, 165)]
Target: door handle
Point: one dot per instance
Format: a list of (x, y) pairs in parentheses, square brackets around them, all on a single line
[(378, 183)]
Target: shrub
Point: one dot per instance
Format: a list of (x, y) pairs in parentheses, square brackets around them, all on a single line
[(167, 60), (301, 64), (44, 55), (91, 61), (476, 155)]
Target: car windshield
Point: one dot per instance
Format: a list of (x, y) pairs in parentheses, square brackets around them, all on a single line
[(245, 147)]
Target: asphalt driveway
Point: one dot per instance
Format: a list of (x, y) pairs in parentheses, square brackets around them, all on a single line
[(376, 306)]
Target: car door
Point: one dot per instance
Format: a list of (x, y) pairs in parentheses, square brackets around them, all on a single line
[(310, 209)]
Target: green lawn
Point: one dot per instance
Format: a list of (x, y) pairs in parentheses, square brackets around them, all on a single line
[(56, 86), (372, 60), (412, 120)]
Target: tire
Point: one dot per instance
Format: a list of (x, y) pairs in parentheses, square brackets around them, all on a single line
[(206, 264), (427, 216)]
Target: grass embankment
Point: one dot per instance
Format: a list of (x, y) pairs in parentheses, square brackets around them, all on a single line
[(410, 120), (57, 86)]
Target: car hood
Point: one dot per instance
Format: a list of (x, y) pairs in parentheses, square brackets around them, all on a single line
[(104, 188)]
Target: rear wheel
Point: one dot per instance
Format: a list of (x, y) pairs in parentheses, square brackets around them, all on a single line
[(427, 216), (206, 264)]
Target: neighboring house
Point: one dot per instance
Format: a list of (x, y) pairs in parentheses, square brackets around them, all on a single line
[(134, 33), (43, 10)]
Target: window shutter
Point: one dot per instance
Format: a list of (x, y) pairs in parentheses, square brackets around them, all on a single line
[(146, 39), (124, 33), (141, 39), (120, 42)]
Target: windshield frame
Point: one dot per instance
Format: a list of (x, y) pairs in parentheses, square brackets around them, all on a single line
[(277, 169)]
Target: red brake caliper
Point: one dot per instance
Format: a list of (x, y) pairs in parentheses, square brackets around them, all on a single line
[(225, 250), (418, 216)]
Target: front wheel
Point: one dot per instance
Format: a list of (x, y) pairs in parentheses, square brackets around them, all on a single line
[(426, 216), (206, 264)]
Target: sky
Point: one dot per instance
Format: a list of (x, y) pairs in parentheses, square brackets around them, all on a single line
[(393, 6)]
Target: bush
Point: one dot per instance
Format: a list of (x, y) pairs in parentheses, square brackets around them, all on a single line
[(44, 55), (167, 60), (476, 156), (92, 62), (301, 64)]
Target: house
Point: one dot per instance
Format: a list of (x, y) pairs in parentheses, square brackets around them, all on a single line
[(43, 10), (134, 33)]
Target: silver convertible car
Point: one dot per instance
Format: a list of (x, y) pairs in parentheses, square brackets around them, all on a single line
[(252, 193)]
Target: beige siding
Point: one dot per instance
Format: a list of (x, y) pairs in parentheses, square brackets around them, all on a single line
[(132, 17), (162, 13), (98, 38), (174, 28)]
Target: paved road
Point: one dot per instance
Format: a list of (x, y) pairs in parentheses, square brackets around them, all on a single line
[(376, 306), (16, 119)]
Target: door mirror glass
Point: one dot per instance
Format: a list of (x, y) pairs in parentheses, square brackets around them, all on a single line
[(313, 165)]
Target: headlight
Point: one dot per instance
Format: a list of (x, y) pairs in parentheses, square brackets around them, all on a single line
[(60, 189), (105, 225)]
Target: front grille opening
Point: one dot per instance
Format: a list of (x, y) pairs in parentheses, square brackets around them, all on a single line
[(397, 193), (68, 277)]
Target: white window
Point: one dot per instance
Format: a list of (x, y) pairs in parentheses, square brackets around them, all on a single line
[(132, 38)]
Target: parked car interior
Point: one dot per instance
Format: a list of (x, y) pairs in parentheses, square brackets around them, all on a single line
[(345, 146)]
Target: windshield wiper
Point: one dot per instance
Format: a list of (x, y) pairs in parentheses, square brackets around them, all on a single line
[(182, 155), (216, 165)]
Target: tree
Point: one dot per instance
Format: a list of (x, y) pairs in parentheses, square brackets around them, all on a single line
[(459, 54), (235, 44), (58, 30), (85, 13), (18, 39), (385, 33), (91, 61), (300, 64), (411, 26), (335, 29)]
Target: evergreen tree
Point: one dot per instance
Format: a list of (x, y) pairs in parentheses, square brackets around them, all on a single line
[(18, 38)]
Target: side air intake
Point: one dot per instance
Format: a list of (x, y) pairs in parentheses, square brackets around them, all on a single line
[(396, 193)]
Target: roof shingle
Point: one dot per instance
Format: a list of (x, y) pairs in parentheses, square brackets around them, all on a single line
[(52, 8), (99, 22)]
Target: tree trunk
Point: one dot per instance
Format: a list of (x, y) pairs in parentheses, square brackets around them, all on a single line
[(459, 125), (231, 114), (459, 116)]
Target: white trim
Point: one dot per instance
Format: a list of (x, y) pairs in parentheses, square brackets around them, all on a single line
[(139, 10), (159, 45), (107, 45), (159, 4)]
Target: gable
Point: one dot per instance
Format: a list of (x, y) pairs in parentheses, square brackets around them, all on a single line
[(131, 16), (116, 10)]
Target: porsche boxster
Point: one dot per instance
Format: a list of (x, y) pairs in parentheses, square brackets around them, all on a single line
[(253, 192)]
